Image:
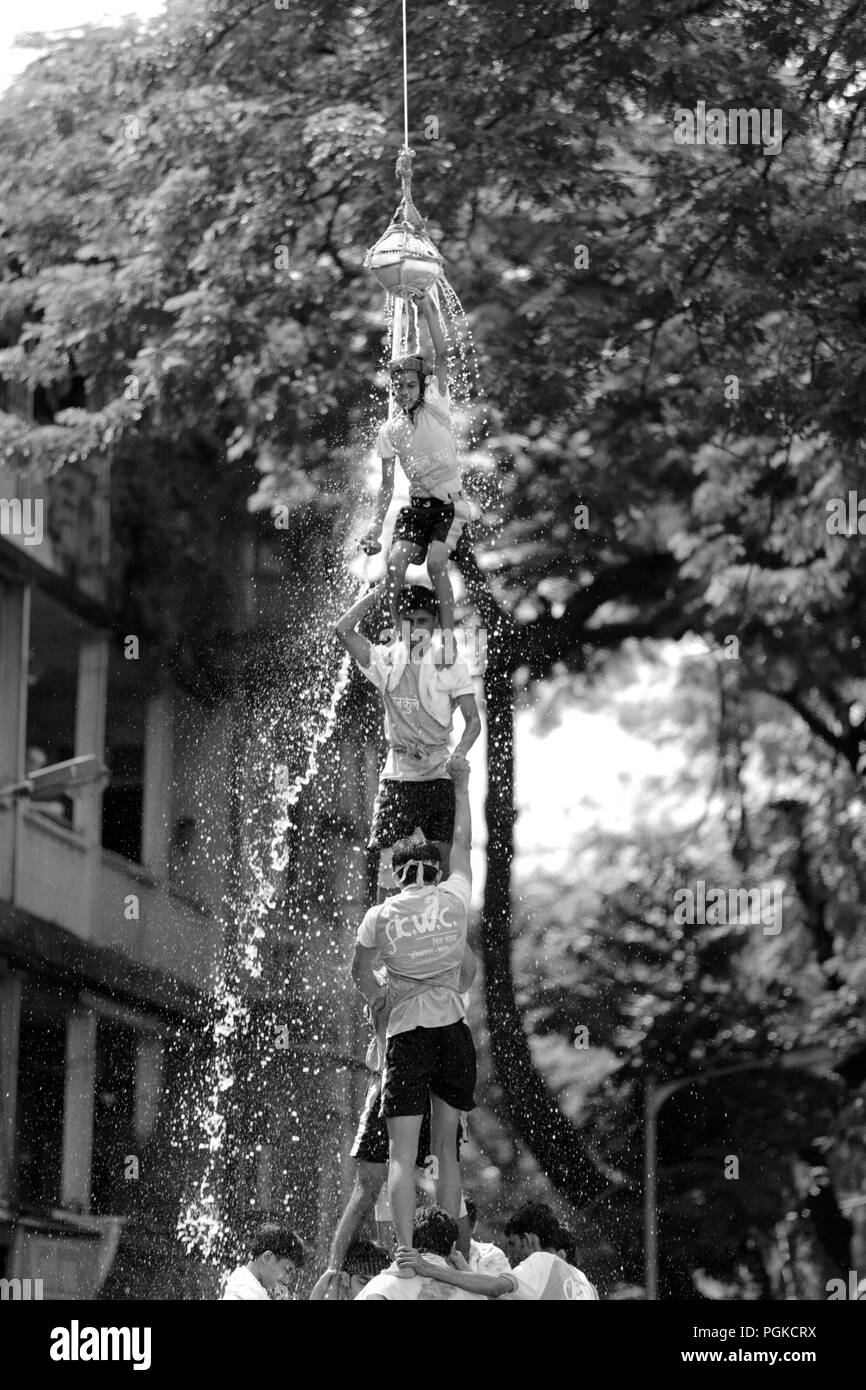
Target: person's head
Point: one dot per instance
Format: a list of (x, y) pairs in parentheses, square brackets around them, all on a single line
[(408, 378), (532, 1228), (275, 1254), (434, 1232), (363, 1262), (416, 862), (418, 612)]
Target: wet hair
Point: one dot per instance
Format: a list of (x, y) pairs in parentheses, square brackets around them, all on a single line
[(537, 1219), (365, 1259), (413, 852), (280, 1240), (471, 1210), (415, 596), (434, 1232)]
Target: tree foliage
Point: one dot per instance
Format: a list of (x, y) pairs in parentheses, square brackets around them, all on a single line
[(670, 337)]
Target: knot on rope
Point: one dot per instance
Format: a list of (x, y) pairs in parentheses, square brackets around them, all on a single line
[(407, 213)]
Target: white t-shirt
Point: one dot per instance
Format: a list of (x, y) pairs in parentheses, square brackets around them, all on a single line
[(425, 445), (416, 1289), (544, 1276), (485, 1258), (418, 697), (420, 935), (242, 1286)]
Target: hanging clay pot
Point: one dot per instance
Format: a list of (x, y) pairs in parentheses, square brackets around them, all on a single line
[(404, 261)]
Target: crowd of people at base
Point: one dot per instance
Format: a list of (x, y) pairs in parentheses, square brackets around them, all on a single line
[(538, 1264)]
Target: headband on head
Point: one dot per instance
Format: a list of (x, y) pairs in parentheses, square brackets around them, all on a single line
[(400, 874)]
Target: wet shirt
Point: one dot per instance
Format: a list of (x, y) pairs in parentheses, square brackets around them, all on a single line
[(242, 1286), (544, 1276), (416, 1289), (418, 740), (485, 1258), (425, 446), (420, 935)]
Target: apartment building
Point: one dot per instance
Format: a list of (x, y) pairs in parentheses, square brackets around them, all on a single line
[(113, 922)]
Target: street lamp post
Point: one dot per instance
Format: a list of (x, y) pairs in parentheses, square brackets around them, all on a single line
[(654, 1098)]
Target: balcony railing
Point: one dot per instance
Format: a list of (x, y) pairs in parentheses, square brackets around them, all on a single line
[(110, 902)]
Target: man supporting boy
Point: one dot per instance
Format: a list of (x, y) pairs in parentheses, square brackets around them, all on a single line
[(420, 937), (362, 1262), (538, 1274), (434, 1233), (419, 696), (421, 436)]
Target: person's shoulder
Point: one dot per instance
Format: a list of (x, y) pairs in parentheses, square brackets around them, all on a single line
[(384, 447), (489, 1258), (241, 1287), (455, 679), (459, 886), (369, 925), (387, 1286), (371, 1290), (539, 1259), (586, 1288)]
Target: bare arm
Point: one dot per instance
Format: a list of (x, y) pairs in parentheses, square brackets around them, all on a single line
[(327, 1289), (383, 502), (346, 626), (471, 722), (461, 843), (490, 1285), (364, 977)]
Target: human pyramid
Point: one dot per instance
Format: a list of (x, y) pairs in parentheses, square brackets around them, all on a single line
[(412, 962)]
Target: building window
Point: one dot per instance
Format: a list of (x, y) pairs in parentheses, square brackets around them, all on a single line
[(123, 798), (115, 1151), (52, 694), (41, 1078)]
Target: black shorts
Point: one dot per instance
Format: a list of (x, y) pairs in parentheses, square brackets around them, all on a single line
[(422, 1061), (426, 519), (401, 806), (371, 1140)]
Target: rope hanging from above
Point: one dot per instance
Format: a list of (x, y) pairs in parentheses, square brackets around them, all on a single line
[(404, 259)]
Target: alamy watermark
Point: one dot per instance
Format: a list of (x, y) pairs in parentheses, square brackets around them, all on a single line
[(846, 517), (22, 517), (723, 906), (855, 1289), (738, 125), (467, 644), (21, 1290)]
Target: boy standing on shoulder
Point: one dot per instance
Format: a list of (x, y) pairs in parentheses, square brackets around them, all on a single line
[(421, 436), (420, 937)]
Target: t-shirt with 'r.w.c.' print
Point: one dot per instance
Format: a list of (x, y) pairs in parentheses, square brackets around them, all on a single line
[(420, 935)]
